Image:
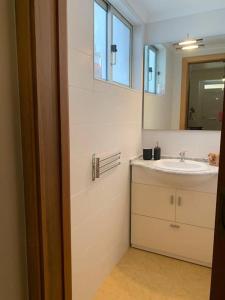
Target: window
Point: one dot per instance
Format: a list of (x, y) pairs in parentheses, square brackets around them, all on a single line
[(100, 45), (112, 44), (150, 69)]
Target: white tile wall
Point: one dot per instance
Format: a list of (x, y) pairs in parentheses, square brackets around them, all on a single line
[(104, 118), (197, 143)]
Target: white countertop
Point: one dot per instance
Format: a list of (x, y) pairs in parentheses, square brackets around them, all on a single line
[(149, 164)]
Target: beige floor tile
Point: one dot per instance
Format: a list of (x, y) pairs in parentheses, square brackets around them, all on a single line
[(143, 275)]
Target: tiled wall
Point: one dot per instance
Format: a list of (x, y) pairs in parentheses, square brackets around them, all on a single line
[(197, 143), (104, 118)]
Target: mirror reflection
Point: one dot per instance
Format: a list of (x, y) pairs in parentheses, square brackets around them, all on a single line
[(184, 84)]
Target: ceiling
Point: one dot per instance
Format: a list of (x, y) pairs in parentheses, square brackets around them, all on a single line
[(159, 10)]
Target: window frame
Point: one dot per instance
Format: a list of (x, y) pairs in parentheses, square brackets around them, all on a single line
[(155, 50), (102, 3), (112, 11), (104, 6)]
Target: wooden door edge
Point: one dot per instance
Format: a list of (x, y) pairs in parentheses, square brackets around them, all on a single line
[(65, 145), (46, 271)]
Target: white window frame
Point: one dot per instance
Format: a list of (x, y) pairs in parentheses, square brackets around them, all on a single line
[(104, 5), (112, 11), (154, 49)]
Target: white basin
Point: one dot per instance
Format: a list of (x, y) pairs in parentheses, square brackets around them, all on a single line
[(172, 172), (177, 166)]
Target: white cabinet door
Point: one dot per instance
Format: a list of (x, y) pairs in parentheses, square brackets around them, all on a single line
[(176, 240), (153, 201), (196, 208)]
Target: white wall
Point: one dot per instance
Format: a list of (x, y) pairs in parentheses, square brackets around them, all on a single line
[(104, 118), (198, 144), (157, 111), (13, 279), (199, 25)]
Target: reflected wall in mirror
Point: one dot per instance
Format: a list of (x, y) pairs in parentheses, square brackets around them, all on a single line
[(184, 89)]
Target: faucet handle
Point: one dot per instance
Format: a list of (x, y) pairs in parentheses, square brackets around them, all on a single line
[(182, 156), (182, 153)]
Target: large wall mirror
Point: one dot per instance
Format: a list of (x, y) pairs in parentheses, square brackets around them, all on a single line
[(184, 84)]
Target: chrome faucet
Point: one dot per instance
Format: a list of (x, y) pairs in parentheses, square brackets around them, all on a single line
[(182, 156)]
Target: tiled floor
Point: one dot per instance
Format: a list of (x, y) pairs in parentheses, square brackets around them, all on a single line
[(142, 275)]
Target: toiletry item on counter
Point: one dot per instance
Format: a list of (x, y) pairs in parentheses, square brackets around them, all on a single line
[(157, 152), (147, 154), (214, 159)]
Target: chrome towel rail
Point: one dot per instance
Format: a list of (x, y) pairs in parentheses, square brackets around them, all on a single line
[(101, 166)]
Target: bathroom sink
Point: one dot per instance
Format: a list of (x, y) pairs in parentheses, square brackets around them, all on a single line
[(173, 172), (182, 167)]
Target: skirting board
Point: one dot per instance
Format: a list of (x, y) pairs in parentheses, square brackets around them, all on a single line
[(164, 253)]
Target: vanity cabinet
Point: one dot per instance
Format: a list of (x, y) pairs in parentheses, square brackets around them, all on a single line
[(153, 201), (172, 221), (196, 208)]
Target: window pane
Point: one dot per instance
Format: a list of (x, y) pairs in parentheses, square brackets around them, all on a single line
[(121, 38), (146, 69), (152, 71), (100, 42)]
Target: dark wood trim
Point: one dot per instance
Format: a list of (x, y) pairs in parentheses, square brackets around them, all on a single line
[(218, 270), (42, 65), (65, 145), (185, 81)]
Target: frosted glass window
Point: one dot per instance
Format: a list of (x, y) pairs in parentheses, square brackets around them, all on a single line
[(152, 71), (100, 41), (151, 57), (121, 63), (112, 44)]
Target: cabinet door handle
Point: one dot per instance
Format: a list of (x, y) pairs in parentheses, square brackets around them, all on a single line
[(175, 226), (172, 200), (179, 201)]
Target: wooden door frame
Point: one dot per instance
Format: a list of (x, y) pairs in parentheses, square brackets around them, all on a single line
[(43, 87), (218, 267), (186, 61)]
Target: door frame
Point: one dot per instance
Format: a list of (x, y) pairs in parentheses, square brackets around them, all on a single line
[(186, 61), (41, 28), (218, 266)]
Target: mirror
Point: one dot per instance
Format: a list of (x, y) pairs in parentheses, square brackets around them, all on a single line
[(184, 84)]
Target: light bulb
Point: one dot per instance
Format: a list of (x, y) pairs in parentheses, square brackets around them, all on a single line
[(188, 42), (190, 47)]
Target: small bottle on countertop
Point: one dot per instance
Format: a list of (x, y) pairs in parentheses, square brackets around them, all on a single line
[(157, 152)]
